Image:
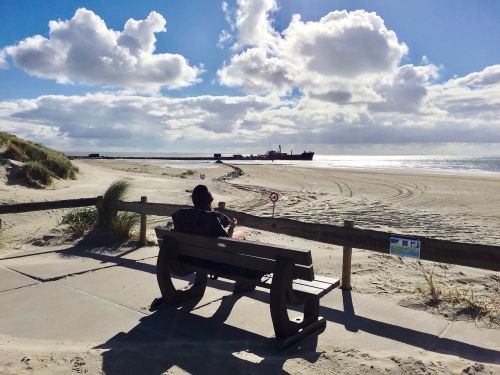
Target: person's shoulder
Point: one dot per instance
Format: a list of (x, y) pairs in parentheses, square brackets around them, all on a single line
[(182, 212)]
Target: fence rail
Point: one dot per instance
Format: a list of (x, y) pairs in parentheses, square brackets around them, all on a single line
[(43, 206), (465, 254)]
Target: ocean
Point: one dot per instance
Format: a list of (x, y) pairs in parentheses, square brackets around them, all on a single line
[(424, 163)]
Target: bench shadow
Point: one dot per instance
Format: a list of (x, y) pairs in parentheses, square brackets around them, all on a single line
[(172, 338)]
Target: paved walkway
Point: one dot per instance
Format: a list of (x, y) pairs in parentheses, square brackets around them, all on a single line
[(103, 298)]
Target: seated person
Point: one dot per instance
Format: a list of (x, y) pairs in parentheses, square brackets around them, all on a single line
[(201, 220)]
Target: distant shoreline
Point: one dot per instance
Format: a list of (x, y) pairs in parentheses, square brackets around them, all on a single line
[(482, 165)]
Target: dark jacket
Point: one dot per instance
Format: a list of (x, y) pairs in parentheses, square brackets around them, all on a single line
[(200, 222)]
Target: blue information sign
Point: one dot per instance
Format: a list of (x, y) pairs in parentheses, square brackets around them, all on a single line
[(406, 247)]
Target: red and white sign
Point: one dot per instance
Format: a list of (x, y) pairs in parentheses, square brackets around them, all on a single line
[(273, 196)]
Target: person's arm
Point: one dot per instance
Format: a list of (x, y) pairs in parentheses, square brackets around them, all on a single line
[(232, 224)]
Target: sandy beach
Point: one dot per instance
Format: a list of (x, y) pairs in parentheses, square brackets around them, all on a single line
[(459, 207)]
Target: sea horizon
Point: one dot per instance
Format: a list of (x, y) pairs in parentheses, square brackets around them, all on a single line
[(431, 163)]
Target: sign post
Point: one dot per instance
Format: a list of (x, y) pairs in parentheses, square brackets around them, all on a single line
[(274, 198)]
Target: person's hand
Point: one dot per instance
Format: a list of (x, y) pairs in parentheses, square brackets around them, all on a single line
[(233, 222)]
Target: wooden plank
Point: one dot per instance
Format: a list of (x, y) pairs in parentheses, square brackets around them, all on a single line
[(325, 279), (243, 261), (298, 287), (466, 254), (50, 205), (231, 245), (299, 256), (323, 287), (318, 284), (159, 209), (316, 326)]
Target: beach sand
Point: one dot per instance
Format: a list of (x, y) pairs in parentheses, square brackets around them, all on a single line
[(460, 207)]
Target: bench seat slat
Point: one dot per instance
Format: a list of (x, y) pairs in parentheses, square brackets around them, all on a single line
[(301, 287), (319, 285), (231, 245)]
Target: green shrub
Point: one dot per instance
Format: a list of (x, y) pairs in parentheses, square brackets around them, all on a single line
[(80, 220), (37, 174)]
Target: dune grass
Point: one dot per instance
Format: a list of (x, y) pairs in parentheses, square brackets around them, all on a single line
[(80, 220), (105, 217), (37, 174), (463, 302), (108, 216), (46, 163)]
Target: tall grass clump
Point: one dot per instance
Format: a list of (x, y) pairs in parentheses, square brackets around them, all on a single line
[(80, 220), (58, 165), (108, 216), (37, 174), (4, 138), (124, 222), (14, 152)]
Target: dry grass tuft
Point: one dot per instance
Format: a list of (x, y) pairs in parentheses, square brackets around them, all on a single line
[(462, 303)]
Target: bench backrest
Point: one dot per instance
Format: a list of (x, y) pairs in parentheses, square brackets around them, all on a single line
[(247, 254)]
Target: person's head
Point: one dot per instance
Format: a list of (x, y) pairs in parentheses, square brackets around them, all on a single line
[(201, 197)]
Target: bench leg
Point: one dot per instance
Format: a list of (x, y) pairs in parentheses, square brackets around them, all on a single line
[(166, 263), (290, 330)]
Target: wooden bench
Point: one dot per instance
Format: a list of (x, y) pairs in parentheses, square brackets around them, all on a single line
[(288, 273)]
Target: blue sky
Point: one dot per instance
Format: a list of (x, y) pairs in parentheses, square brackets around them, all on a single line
[(404, 76)]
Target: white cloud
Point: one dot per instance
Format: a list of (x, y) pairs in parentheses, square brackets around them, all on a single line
[(449, 112), (112, 119), (257, 72), (84, 50), (253, 24), (406, 91), (344, 44), (339, 48), (344, 58)]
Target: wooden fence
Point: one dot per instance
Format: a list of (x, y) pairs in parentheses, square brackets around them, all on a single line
[(466, 254)]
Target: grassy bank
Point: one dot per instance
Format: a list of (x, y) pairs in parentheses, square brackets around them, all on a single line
[(41, 164)]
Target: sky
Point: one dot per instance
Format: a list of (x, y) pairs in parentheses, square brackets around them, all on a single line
[(205, 76)]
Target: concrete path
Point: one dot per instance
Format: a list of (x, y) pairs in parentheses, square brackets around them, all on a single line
[(103, 298)]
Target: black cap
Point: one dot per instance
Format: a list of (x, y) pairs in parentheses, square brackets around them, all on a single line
[(201, 196)]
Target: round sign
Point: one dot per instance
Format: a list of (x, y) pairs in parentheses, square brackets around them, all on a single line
[(274, 196)]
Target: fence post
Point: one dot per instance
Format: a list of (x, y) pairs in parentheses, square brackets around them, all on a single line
[(144, 222), (99, 201), (346, 261)]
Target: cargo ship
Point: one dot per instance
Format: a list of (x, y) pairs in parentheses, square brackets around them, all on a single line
[(269, 155)]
